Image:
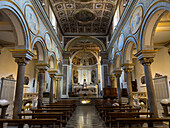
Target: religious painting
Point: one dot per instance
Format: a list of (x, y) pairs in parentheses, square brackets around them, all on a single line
[(121, 42), (136, 19), (32, 19), (48, 41), (26, 80), (75, 76), (93, 76)]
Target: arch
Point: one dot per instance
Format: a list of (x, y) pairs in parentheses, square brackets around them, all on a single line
[(16, 17), (117, 61), (41, 49), (85, 51), (52, 60), (128, 49), (85, 38), (149, 23)]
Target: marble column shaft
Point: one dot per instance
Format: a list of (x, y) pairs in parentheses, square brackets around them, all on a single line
[(128, 75), (19, 86), (118, 74), (51, 89), (146, 62), (41, 85)]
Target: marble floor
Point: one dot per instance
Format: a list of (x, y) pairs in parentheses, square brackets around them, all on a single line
[(85, 116)]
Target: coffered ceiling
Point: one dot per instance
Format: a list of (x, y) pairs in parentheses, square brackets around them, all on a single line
[(84, 17)]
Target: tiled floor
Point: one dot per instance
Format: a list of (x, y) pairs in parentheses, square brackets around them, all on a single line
[(85, 117)]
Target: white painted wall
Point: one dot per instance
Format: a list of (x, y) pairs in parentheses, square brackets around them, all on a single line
[(161, 63), (30, 71), (8, 65)]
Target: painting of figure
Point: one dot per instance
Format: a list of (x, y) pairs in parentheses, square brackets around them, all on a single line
[(31, 19), (48, 41), (136, 19), (75, 76), (93, 76)]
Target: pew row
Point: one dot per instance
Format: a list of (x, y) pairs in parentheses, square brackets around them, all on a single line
[(150, 121), (30, 122)]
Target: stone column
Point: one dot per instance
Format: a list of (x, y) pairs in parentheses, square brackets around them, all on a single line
[(104, 62), (22, 57), (112, 80), (66, 56), (58, 88), (52, 74), (42, 67), (146, 58), (128, 77), (118, 73)]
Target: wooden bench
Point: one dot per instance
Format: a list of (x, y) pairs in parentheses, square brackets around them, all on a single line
[(114, 115), (104, 113), (46, 115), (150, 121), (67, 111), (21, 122)]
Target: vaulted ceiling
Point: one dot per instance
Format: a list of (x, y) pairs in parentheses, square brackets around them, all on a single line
[(84, 17)]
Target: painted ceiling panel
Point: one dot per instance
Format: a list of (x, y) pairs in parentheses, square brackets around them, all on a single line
[(84, 16)]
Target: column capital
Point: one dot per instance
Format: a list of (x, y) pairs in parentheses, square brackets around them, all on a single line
[(21, 61), (22, 53), (111, 76), (146, 56), (127, 67), (52, 73), (58, 76), (42, 67), (117, 73)]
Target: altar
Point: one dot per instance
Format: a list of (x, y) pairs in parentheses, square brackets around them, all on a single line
[(90, 90)]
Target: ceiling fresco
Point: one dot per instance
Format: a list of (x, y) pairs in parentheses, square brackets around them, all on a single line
[(84, 16)]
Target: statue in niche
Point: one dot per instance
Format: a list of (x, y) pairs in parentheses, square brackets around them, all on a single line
[(93, 76), (75, 76)]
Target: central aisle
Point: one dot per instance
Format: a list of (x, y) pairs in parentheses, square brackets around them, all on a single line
[(85, 116)]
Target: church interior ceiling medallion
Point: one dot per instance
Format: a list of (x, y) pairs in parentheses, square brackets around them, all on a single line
[(84, 16)]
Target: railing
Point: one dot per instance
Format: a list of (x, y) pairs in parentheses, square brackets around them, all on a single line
[(30, 95), (140, 94)]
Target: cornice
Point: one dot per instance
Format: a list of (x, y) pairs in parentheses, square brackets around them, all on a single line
[(42, 14), (122, 21)]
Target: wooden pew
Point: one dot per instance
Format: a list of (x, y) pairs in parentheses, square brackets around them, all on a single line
[(114, 115), (21, 122), (46, 115), (150, 121), (105, 111), (67, 111)]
